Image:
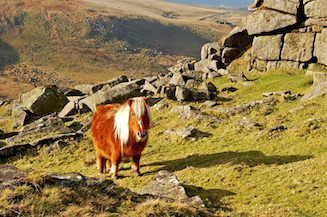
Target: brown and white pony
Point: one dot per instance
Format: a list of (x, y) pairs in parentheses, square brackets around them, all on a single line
[(120, 131)]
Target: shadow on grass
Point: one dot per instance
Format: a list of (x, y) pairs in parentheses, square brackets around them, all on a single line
[(8, 55), (250, 158), (212, 195)]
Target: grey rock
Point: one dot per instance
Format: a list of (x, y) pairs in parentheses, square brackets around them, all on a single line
[(112, 82), (267, 47), (316, 9), (271, 130), (238, 37), (48, 124), (165, 184), (278, 93), (266, 21), (177, 79), (321, 47), (211, 51), (117, 94), (73, 92), (84, 88), (19, 116), (246, 123), (11, 177), (195, 114), (319, 87), (183, 93), (237, 77), (286, 6), (208, 87), (70, 108), (43, 100), (187, 132), (229, 54), (149, 88), (206, 65), (298, 47), (161, 106), (181, 108), (241, 108)]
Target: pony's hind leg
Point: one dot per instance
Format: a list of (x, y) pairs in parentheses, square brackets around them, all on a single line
[(101, 161), (136, 165)]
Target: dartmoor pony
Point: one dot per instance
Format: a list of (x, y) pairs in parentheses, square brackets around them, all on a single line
[(120, 131)]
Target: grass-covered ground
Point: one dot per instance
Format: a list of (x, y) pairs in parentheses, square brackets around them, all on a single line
[(236, 171)]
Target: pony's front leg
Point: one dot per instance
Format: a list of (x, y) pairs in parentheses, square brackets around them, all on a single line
[(114, 168), (136, 165)]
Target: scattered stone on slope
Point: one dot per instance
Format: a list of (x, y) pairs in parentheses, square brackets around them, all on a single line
[(19, 116), (319, 87), (43, 100), (11, 177), (112, 82), (278, 93), (241, 108), (206, 65), (84, 88), (246, 123), (161, 106), (270, 130), (167, 185), (237, 77), (48, 124)]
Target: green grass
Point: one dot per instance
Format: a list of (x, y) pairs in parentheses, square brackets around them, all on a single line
[(233, 169)]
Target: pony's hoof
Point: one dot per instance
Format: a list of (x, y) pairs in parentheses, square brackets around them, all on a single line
[(137, 173), (114, 176)]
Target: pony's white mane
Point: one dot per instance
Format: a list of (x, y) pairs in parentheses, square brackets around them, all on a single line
[(139, 107)]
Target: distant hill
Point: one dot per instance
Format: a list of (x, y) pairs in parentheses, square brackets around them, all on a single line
[(84, 41), (215, 3)]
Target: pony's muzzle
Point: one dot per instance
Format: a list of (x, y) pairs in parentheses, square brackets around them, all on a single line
[(142, 136)]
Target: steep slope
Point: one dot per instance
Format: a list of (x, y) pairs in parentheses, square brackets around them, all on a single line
[(75, 41)]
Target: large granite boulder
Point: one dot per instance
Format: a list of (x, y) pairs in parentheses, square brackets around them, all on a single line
[(117, 94), (298, 47), (265, 21), (238, 37), (211, 51), (267, 47), (286, 6), (43, 100), (316, 12), (321, 47)]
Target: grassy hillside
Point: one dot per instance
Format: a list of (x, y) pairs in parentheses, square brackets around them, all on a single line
[(236, 171), (86, 42)]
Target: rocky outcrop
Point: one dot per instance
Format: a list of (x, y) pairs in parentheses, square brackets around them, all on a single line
[(287, 34), (282, 33)]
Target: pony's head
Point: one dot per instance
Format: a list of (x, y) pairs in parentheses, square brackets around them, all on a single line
[(133, 117)]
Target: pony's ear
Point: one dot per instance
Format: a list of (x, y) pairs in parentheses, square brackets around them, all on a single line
[(146, 99), (130, 101)]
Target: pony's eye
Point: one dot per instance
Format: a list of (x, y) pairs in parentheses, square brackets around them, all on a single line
[(132, 114)]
